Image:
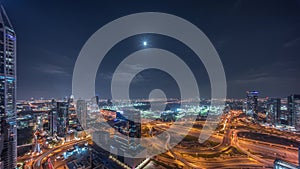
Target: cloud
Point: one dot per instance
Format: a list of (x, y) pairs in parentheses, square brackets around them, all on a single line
[(259, 75), (127, 72), (106, 76), (253, 80), (51, 54), (277, 72), (293, 42), (52, 70)]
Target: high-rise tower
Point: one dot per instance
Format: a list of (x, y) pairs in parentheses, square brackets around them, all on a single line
[(62, 118), (81, 109), (8, 131), (251, 107), (273, 110), (294, 110)]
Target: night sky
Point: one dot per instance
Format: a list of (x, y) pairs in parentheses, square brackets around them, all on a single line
[(258, 43)]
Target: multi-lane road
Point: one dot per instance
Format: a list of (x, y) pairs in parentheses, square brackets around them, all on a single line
[(253, 153), (36, 162), (256, 154)]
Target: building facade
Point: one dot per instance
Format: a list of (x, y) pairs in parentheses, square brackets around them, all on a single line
[(126, 137), (81, 109), (294, 111), (8, 130), (273, 110), (62, 118), (251, 104)]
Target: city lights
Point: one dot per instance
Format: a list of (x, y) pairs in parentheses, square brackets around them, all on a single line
[(46, 124)]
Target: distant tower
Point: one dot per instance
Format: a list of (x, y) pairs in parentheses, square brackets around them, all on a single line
[(273, 110), (81, 110), (62, 118), (251, 106), (8, 131), (71, 99), (97, 100), (294, 111), (53, 121), (52, 117)]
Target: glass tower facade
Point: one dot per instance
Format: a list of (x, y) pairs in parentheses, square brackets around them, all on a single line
[(81, 109), (294, 110), (273, 110), (62, 118), (251, 106), (8, 131)]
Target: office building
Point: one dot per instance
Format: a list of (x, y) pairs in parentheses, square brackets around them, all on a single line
[(251, 104), (81, 109), (294, 111), (127, 144), (92, 106), (284, 111), (62, 118), (273, 110), (8, 130), (52, 122)]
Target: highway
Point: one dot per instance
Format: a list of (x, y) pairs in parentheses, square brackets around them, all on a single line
[(267, 163), (186, 156), (37, 163), (251, 153)]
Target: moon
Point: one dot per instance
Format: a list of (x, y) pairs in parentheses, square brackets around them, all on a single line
[(145, 43)]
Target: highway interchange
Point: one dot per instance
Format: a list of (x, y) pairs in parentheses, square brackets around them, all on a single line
[(251, 153), (230, 150)]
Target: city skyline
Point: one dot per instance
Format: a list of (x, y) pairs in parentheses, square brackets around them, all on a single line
[(188, 85), (258, 47)]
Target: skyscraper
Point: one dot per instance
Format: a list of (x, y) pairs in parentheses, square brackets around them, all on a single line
[(294, 111), (126, 137), (62, 118), (8, 131), (273, 110), (251, 107), (53, 118), (81, 109)]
